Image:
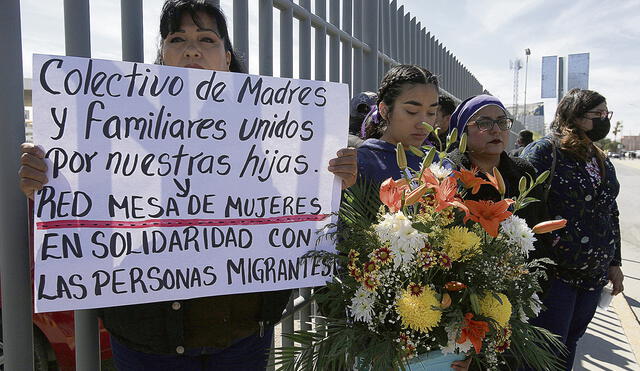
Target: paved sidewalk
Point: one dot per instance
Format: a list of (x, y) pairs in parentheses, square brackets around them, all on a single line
[(611, 340)]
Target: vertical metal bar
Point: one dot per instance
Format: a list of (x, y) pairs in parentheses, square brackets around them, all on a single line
[(132, 34), (424, 39), (393, 25), (402, 37), (358, 53), (17, 328), (321, 42), (334, 41), (409, 35), (419, 44), (77, 39), (380, 41), (347, 48), (265, 28), (386, 24), (305, 43), (286, 42), (241, 29), (78, 43), (370, 31), (414, 43), (287, 324), (432, 55)]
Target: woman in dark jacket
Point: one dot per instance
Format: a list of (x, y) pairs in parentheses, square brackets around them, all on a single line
[(228, 332), (487, 125), (583, 190)]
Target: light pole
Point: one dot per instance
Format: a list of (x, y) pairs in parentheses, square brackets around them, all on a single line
[(527, 52)]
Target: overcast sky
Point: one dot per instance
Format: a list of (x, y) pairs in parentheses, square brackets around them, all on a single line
[(483, 34)]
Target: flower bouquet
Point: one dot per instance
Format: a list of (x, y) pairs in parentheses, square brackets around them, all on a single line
[(428, 274)]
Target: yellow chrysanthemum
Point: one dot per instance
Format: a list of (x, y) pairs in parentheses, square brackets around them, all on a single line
[(417, 312), (491, 307), (460, 243)]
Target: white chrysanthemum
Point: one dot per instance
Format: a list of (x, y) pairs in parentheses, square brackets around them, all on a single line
[(361, 307), (452, 345), (405, 240), (518, 233), (439, 171)]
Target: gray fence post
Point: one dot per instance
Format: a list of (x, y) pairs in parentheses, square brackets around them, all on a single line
[(347, 46), (132, 34), (358, 53), (17, 330), (321, 43), (78, 43), (241, 29), (334, 42), (286, 42), (266, 37), (305, 42), (370, 68)]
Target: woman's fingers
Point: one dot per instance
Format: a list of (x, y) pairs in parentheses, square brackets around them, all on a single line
[(345, 166), (32, 171), (32, 149), (33, 161)]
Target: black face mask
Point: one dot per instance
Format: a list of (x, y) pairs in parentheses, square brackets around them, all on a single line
[(600, 129)]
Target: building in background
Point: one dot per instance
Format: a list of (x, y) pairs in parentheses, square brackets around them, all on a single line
[(535, 117), (630, 142)]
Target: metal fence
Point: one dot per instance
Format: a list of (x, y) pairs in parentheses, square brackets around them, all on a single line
[(366, 38)]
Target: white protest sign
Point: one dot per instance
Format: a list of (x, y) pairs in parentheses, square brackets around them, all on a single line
[(171, 183)]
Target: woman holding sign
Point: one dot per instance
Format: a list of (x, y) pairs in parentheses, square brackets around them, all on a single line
[(230, 332)]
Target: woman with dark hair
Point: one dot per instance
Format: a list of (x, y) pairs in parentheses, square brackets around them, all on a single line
[(486, 122), (407, 97), (230, 332), (582, 189)]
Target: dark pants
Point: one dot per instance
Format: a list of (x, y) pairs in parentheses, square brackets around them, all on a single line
[(569, 311), (248, 354)]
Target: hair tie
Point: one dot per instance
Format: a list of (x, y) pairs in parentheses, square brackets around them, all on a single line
[(375, 116)]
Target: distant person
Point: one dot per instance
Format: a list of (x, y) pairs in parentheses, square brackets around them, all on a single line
[(524, 138), (583, 190), (446, 106), (359, 108)]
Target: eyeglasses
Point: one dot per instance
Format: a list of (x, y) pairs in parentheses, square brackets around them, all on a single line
[(603, 114), (487, 124)]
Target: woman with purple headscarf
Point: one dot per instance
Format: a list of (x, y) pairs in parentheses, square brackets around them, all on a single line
[(486, 122)]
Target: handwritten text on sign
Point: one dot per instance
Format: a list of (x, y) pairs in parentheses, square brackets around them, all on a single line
[(171, 183)]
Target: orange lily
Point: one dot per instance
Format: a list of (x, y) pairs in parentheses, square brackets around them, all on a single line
[(497, 181), (549, 226), (391, 193), (447, 195), (469, 179), (474, 331), (489, 214), (416, 194), (429, 178)]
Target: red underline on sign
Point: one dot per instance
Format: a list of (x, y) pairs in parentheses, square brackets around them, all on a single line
[(150, 223)]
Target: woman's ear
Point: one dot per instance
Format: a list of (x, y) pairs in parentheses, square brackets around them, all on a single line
[(384, 111)]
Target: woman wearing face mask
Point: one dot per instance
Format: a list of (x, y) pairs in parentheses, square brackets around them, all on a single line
[(230, 332), (487, 124), (583, 190)]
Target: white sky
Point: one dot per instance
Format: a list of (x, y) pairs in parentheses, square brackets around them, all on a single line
[(483, 34)]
